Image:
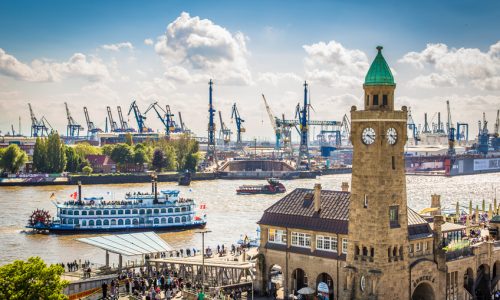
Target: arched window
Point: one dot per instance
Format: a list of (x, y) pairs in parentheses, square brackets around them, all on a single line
[(113, 222), (184, 219), (150, 211), (70, 212), (127, 222), (120, 211), (70, 221), (106, 212), (170, 220), (142, 211), (113, 212), (120, 221), (106, 223), (84, 213), (84, 223), (394, 251), (98, 223), (163, 211), (356, 250), (134, 211), (401, 252), (98, 213), (365, 251), (170, 210), (76, 213), (177, 219), (127, 211), (63, 211), (163, 220), (64, 221), (91, 222), (177, 209), (372, 252), (156, 211), (136, 222), (183, 208), (157, 221), (91, 213)]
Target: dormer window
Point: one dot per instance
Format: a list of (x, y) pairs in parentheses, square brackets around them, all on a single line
[(375, 99)]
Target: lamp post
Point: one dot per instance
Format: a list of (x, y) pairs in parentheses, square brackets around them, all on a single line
[(203, 231)]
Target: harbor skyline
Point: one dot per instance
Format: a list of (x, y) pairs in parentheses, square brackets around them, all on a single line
[(109, 54)]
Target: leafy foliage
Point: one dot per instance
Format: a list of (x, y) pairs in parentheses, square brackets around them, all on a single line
[(40, 155), (84, 149), (12, 158), (31, 279), (87, 170), (56, 155)]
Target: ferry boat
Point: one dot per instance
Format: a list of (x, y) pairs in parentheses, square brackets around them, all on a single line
[(273, 187), (137, 212)]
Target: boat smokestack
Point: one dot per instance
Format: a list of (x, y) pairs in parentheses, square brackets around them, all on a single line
[(317, 197), (436, 203), (79, 191), (345, 186)]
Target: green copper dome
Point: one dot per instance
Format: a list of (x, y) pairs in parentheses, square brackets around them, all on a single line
[(379, 72)]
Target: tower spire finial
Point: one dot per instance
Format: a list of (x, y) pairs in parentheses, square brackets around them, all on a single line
[(379, 48)]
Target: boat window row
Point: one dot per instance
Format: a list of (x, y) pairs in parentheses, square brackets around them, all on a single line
[(114, 222), (141, 211)]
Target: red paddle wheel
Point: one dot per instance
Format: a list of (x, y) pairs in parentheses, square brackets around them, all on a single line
[(40, 219)]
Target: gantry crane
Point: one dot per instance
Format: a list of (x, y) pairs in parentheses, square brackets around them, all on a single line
[(235, 115), (413, 127), (123, 124), (211, 151), (426, 128), (139, 118), (451, 132), (38, 128), (274, 124), (495, 141), (303, 116), (224, 132), (163, 115), (73, 128), (112, 123), (184, 128), (92, 130)]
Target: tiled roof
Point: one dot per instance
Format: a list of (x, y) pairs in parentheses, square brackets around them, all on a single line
[(447, 227), (296, 210), (99, 159)]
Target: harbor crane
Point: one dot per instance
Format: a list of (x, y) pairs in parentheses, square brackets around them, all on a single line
[(92, 130), (426, 128), (112, 123), (139, 118), (239, 128), (38, 127), (303, 116), (165, 117), (73, 128), (495, 141), (345, 128), (274, 123), (211, 152), (483, 136), (451, 132), (413, 127), (224, 132), (184, 128), (123, 124)]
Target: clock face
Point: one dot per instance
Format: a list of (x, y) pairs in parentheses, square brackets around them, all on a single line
[(392, 136), (368, 136)]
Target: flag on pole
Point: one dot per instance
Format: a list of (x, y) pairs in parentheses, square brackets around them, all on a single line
[(203, 206), (74, 195), (53, 196)]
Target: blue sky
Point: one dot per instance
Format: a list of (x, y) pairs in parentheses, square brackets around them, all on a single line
[(265, 38)]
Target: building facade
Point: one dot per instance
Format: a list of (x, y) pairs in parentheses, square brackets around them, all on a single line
[(367, 244)]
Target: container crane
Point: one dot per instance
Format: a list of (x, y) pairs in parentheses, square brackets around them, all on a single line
[(495, 141), (114, 127), (239, 128), (224, 132), (72, 129), (184, 128), (139, 118), (91, 129), (162, 115), (37, 127), (211, 152), (123, 124), (413, 127), (483, 136), (451, 132), (274, 123), (426, 125)]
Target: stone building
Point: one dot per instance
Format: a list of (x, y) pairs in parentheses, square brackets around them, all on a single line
[(367, 244)]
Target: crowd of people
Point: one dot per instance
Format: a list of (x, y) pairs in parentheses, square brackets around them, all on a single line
[(74, 266)]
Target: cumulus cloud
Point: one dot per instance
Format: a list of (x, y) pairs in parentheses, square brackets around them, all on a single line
[(334, 65), (148, 42), (79, 65), (433, 80), (118, 46), (274, 78), (204, 49), (452, 65)]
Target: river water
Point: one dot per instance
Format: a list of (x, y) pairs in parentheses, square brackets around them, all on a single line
[(229, 215)]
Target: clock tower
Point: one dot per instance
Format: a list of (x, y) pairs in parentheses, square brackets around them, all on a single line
[(377, 259)]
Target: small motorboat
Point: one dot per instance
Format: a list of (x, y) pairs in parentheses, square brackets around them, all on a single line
[(273, 187)]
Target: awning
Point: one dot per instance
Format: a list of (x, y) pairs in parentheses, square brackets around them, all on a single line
[(129, 244)]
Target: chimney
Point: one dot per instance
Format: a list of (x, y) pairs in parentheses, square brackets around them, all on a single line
[(317, 197), (439, 253), (79, 191), (345, 186), (436, 203)]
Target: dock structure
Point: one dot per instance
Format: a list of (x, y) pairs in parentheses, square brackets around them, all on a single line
[(217, 272)]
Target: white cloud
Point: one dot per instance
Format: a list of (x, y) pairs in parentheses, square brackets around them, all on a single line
[(334, 65), (101, 92), (205, 49), (148, 42), (79, 65), (118, 46), (275, 78), (433, 80), (462, 64)]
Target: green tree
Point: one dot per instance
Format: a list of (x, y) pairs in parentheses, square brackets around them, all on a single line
[(31, 279), (192, 162), (40, 155), (13, 158), (74, 162), (56, 155), (107, 149), (158, 161), (170, 161), (140, 157), (84, 149), (122, 154), (87, 170)]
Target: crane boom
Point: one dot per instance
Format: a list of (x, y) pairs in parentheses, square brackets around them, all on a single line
[(239, 128), (138, 117), (274, 123), (112, 123)]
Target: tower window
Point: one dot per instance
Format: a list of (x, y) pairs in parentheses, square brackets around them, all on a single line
[(365, 201), (393, 163), (375, 99), (367, 100), (393, 216), (384, 100)]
